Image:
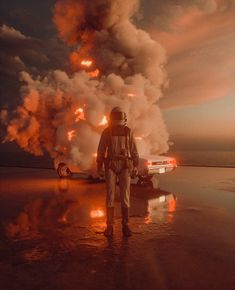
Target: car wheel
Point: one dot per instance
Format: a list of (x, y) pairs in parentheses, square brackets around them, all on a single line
[(149, 181), (63, 171), (144, 181)]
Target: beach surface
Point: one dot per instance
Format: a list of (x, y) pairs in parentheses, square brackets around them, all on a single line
[(51, 232)]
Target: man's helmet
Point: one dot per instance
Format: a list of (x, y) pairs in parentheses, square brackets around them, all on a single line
[(118, 116)]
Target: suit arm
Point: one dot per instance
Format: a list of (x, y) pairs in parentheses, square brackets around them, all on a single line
[(102, 147), (133, 150)]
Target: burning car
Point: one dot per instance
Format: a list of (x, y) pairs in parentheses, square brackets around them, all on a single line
[(149, 169)]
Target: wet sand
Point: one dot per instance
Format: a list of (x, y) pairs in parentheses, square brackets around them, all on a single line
[(51, 233)]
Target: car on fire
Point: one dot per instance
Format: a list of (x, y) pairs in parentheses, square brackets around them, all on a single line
[(149, 169)]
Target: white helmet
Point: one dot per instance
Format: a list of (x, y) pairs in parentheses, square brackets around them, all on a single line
[(118, 116)]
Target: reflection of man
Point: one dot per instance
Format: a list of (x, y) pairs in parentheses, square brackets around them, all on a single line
[(118, 153)]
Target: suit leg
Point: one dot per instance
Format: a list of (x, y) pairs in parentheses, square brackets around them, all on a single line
[(124, 184), (110, 180)]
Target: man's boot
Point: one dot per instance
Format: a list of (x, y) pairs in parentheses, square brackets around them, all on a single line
[(125, 220), (110, 220)]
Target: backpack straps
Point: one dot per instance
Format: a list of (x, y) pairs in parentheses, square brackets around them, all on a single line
[(110, 145), (127, 132), (127, 141)]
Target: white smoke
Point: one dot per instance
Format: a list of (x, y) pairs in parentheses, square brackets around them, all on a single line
[(64, 111)]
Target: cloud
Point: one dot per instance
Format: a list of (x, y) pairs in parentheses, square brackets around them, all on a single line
[(7, 32), (199, 38), (15, 44)]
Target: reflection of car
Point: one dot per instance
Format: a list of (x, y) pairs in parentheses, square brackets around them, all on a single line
[(148, 170), (153, 204)]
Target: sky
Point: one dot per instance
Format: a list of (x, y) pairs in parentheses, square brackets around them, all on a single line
[(198, 37)]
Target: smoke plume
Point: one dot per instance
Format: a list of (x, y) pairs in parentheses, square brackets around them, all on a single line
[(113, 63)]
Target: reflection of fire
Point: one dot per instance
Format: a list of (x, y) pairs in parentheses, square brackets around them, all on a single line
[(104, 121), (80, 114), (172, 204), (97, 213), (86, 62), (147, 218), (71, 134)]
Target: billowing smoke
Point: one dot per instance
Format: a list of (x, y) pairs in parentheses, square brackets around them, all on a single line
[(113, 63)]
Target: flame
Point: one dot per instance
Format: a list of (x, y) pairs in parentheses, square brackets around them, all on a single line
[(138, 138), (71, 134), (86, 62), (131, 95), (79, 110), (75, 61), (104, 121), (79, 114), (96, 213), (94, 74), (94, 154)]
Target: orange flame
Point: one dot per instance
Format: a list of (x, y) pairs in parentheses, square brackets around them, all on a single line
[(94, 154), (79, 110), (71, 134), (104, 121), (80, 114), (131, 95), (97, 213), (138, 138), (74, 59), (94, 74), (86, 62)]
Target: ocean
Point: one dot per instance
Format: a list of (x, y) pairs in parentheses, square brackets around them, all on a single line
[(204, 158)]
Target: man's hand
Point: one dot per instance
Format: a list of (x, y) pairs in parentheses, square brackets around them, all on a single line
[(134, 172), (100, 171)]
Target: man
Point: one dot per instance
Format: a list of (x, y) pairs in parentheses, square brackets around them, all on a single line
[(117, 152)]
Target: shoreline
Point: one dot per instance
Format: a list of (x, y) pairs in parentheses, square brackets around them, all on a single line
[(182, 165)]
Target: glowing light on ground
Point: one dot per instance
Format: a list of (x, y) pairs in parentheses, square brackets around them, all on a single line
[(147, 218), (172, 205), (97, 213)]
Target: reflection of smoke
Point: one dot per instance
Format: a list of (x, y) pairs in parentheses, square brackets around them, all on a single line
[(66, 207), (123, 66), (39, 215)]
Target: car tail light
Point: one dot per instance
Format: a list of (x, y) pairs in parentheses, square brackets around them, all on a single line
[(149, 163), (172, 161)]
